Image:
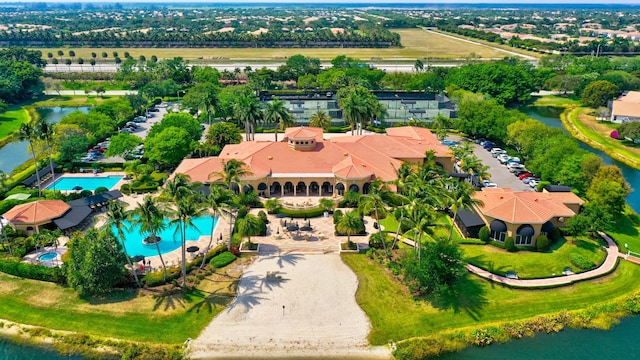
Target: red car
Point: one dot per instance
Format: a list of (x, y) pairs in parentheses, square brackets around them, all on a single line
[(524, 175)]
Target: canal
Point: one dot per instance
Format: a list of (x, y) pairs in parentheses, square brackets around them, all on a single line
[(550, 116), (16, 153)]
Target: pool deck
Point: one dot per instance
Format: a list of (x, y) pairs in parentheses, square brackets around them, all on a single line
[(60, 249)]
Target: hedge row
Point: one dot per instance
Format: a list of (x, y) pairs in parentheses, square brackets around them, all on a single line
[(157, 278), (31, 271), (302, 213)]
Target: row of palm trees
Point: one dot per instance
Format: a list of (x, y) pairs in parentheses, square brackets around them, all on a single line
[(34, 132), (181, 203)]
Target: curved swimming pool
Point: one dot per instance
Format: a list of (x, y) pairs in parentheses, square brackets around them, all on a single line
[(170, 237), (48, 256)]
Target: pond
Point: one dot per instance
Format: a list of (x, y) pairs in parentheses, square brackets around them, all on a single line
[(550, 116), (16, 153), (11, 351), (571, 344)]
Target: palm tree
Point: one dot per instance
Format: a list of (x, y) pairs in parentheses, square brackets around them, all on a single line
[(350, 223), (28, 132), (150, 218), (461, 197), (186, 209), (116, 216), (219, 203), (249, 226), (276, 113), (45, 132), (177, 188), (320, 119), (376, 201), (419, 218), (247, 111)]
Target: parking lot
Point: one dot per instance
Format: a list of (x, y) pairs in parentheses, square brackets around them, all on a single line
[(499, 173)]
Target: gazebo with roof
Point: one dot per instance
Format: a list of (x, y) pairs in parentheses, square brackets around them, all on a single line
[(34, 216)]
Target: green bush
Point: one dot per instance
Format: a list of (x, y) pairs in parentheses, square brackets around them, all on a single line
[(31, 271), (301, 213), (336, 216), (100, 190), (510, 244), (484, 234), (581, 261), (157, 278), (125, 189), (222, 260), (376, 240), (542, 243), (263, 216)]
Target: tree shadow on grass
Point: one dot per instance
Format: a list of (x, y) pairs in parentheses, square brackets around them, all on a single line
[(466, 296), (170, 300), (625, 225), (210, 301), (113, 297)]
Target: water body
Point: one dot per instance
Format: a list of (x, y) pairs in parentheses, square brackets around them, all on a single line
[(16, 153), (618, 343), (550, 116), (11, 351)]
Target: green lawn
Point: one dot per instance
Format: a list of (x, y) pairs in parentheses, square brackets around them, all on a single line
[(530, 264), (626, 230), (396, 315), (440, 229), (123, 314), (555, 100), (11, 120)]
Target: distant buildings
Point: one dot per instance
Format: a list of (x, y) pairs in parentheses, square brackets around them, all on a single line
[(626, 108)]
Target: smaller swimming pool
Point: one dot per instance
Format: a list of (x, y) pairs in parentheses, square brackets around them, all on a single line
[(68, 183), (47, 256)]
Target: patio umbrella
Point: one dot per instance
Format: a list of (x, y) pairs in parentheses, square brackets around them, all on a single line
[(192, 249), (306, 228), (77, 187), (292, 228), (138, 258)]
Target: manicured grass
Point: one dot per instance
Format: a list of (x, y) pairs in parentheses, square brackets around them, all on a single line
[(70, 100), (11, 120), (626, 231), (416, 43), (440, 229), (530, 264), (396, 315), (555, 100), (161, 319)]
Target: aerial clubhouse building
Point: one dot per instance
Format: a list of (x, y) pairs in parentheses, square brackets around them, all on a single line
[(305, 164)]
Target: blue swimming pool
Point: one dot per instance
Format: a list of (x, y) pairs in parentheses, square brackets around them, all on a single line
[(47, 256), (170, 238), (85, 183)]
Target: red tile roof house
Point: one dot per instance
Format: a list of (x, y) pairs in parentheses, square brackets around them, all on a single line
[(34, 216), (304, 164), (525, 215)]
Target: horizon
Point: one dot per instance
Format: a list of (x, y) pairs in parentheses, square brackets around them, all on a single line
[(377, 2)]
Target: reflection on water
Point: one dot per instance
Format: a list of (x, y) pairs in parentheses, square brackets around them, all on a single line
[(11, 351), (550, 116), (16, 153)]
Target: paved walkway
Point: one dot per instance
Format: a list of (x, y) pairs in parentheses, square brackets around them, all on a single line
[(607, 266)]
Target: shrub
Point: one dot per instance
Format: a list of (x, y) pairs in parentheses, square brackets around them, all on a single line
[(222, 260), (100, 190), (302, 213), (484, 234), (376, 240), (542, 243), (31, 271), (125, 189), (510, 244), (337, 215), (581, 261), (263, 216)]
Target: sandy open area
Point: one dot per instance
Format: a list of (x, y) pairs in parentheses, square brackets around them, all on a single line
[(291, 305)]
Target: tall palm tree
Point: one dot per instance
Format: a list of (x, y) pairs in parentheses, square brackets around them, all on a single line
[(276, 113), (45, 132), (219, 201), (232, 171), (377, 201), (461, 197), (350, 223), (28, 132), (320, 119), (177, 188), (116, 216), (247, 111), (419, 217), (150, 218), (186, 209)]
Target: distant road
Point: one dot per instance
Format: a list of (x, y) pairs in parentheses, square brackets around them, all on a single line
[(109, 68)]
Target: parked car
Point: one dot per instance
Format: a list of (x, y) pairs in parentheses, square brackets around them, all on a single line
[(524, 175), (528, 179), (514, 159), (520, 172), (496, 151), (139, 119), (163, 105), (126, 130), (488, 145), (503, 158), (516, 167), (88, 158), (153, 109), (533, 183)]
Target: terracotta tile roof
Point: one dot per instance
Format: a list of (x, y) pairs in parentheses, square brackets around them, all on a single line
[(627, 105), (347, 156), (37, 212), (303, 132), (525, 207)]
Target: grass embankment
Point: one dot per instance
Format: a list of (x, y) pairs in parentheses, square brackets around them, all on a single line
[(10, 122), (534, 265), (397, 315), (416, 43), (128, 315)]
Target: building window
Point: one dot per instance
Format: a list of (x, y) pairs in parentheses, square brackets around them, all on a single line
[(498, 236), (523, 240)]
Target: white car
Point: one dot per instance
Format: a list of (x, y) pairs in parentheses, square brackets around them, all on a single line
[(516, 167), (489, 184), (533, 183), (497, 151), (503, 158)]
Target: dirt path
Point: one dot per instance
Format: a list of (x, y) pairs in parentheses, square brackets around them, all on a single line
[(291, 305)]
